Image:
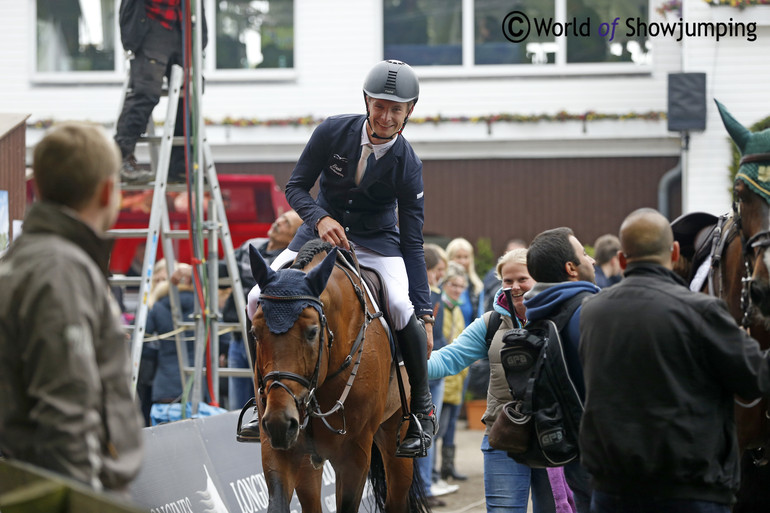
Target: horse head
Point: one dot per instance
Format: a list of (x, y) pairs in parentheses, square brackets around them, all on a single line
[(753, 213), (751, 193), (290, 328)]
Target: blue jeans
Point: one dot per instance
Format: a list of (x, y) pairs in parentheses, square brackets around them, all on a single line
[(447, 424), (609, 503), (425, 465), (507, 483), (240, 390)]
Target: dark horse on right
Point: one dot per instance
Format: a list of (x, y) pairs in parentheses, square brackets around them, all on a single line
[(728, 257)]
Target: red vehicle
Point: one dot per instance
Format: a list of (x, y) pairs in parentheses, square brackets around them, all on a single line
[(252, 203)]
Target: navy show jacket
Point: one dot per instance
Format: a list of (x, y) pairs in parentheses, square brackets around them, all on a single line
[(384, 213)]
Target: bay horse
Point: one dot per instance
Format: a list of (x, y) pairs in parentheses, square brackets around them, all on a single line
[(736, 270), (326, 387)]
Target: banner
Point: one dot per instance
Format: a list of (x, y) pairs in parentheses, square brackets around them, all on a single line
[(195, 465)]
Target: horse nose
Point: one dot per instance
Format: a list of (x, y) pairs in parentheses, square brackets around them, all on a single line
[(282, 428)]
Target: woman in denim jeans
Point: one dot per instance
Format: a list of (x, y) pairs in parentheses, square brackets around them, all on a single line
[(506, 483)]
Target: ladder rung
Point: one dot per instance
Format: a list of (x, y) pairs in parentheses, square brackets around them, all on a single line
[(177, 140), (127, 233), (125, 280), (140, 233), (227, 372), (170, 187)]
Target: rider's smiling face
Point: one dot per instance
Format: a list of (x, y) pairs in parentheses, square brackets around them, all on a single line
[(386, 117)]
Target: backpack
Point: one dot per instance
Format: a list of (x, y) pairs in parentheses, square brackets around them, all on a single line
[(539, 428), (478, 373)]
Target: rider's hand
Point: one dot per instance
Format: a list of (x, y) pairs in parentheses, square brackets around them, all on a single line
[(429, 332), (331, 231)]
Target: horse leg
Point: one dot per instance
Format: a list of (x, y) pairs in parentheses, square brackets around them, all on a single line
[(280, 476), (351, 473), (309, 486), (402, 489)]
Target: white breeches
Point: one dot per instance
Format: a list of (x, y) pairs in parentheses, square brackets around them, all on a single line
[(392, 270)]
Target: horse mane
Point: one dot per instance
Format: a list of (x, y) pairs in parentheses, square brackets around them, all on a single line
[(308, 251)]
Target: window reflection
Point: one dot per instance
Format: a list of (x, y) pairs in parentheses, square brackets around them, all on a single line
[(595, 48), (423, 32), (75, 35), (491, 47), (429, 32), (255, 34)]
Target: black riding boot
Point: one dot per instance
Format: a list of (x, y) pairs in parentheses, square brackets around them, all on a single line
[(413, 343), (448, 464), (249, 432)]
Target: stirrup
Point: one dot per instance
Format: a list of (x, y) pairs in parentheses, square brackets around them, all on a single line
[(415, 419), (251, 435)]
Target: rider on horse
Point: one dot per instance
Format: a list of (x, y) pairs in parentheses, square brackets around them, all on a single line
[(370, 180)]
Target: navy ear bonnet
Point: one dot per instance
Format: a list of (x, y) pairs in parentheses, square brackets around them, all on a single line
[(281, 314)]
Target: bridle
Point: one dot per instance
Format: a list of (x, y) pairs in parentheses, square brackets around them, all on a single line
[(749, 247), (308, 406)]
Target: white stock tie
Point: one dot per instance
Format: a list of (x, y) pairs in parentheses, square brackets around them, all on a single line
[(366, 150)]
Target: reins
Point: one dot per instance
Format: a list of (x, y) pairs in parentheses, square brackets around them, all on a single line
[(310, 406)]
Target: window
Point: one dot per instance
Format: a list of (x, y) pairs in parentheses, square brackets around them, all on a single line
[(254, 34), (491, 46), (617, 47), (75, 35), (470, 32), (423, 32)]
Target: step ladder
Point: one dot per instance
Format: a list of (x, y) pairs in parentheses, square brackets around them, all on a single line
[(215, 228)]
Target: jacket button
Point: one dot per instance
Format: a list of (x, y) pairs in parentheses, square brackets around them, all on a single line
[(350, 202), (347, 211), (347, 229)]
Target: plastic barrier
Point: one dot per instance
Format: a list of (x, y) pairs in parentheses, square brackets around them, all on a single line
[(197, 466)]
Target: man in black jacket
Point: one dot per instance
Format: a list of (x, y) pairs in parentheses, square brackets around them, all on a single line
[(661, 366)]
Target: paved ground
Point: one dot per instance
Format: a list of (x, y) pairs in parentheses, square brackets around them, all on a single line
[(468, 460)]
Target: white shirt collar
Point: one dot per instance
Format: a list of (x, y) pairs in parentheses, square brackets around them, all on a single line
[(378, 149)]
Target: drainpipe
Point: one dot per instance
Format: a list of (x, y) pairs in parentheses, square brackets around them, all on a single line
[(664, 188)]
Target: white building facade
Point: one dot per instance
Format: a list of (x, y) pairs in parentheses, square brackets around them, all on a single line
[(275, 67)]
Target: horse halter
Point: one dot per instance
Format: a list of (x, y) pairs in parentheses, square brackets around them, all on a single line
[(309, 407)]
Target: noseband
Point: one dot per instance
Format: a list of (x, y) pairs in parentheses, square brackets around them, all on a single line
[(309, 407)]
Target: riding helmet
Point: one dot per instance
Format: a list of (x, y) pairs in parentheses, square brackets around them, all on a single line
[(392, 80)]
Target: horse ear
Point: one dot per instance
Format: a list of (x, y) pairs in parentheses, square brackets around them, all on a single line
[(319, 275), (259, 268), (738, 132)]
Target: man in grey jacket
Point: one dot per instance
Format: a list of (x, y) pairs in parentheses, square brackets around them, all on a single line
[(64, 358)]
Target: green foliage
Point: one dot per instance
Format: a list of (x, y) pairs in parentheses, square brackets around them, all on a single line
[(485, 258)]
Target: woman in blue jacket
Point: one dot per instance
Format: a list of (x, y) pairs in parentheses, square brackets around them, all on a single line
[(506, 482)]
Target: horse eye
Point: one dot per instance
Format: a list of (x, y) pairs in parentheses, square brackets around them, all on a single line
[(311, 333)]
